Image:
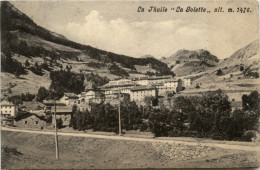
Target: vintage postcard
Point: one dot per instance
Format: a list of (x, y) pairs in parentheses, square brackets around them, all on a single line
[(130, 84)]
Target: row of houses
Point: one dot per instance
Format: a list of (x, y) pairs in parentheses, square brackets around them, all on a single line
[(128, 90)]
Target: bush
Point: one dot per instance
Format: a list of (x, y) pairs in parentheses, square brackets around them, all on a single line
[(241, 68), (217, 136), (42, 94), (144, 127), (219, 72), (249, 135), (59, 123), (166, 123)]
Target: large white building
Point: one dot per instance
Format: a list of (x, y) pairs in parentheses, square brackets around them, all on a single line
[(140, 88), (124, 85), (139, 93), (8, 109), (144, 81), (167, 86)]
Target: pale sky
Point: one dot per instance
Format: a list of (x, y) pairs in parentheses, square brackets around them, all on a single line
[(118, 27)]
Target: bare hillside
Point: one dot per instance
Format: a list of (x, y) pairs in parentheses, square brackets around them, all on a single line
[(186, 62)]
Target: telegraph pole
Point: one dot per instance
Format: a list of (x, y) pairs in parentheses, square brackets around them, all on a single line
[(56, 135), (119, 114)]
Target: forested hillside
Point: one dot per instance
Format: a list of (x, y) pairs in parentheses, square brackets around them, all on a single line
[(24, 37)]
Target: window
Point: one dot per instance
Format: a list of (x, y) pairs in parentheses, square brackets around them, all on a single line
[(25, 122), (37, 122)]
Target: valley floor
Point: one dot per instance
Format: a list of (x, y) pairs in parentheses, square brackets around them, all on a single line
[(33, 150)]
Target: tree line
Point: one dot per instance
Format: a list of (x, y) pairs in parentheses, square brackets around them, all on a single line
[(19, 99), (10, 65), (116, 70), (208, 116)]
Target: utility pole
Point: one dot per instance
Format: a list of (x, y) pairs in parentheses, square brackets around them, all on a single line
[(56, 135), (119, 114)]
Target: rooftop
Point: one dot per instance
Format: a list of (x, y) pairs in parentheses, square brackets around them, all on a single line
[(118, 85), (62, 109), (52, 102), (141, 88), (26, 115), (158, 78), (71, 95), (157, 84), (6, 103), (89, 86), (171, 80)]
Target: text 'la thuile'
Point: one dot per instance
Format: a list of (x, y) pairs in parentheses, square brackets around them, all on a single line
[(178, 9)]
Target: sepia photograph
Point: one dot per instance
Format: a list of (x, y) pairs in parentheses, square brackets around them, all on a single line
[(99, 84)]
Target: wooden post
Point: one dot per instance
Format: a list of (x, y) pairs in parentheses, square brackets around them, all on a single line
[(56, 135), (119, 114)]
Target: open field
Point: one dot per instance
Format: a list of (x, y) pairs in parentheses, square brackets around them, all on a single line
[(32, 150), (25, 83)]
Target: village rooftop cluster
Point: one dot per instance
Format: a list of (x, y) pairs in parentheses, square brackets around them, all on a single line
[(128, 89)]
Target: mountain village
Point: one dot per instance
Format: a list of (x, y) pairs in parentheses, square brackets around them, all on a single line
[(136, 89), (84, 86)]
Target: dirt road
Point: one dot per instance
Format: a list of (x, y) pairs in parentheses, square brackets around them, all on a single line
[(224, 146)]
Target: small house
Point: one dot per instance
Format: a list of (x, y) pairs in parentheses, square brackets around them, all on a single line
[(62, 112), (69, 99), (51, 103), (31, 121)]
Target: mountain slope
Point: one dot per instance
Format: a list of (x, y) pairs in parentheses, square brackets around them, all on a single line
[(185, 62), (248, 55), (240, 72), (24, 37)]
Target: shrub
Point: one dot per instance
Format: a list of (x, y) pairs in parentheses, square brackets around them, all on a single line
[(42, 94), (249, 135), (59, 123), (166, 123), (241, 68), (217, 136), (219, 72), (144, 127)]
